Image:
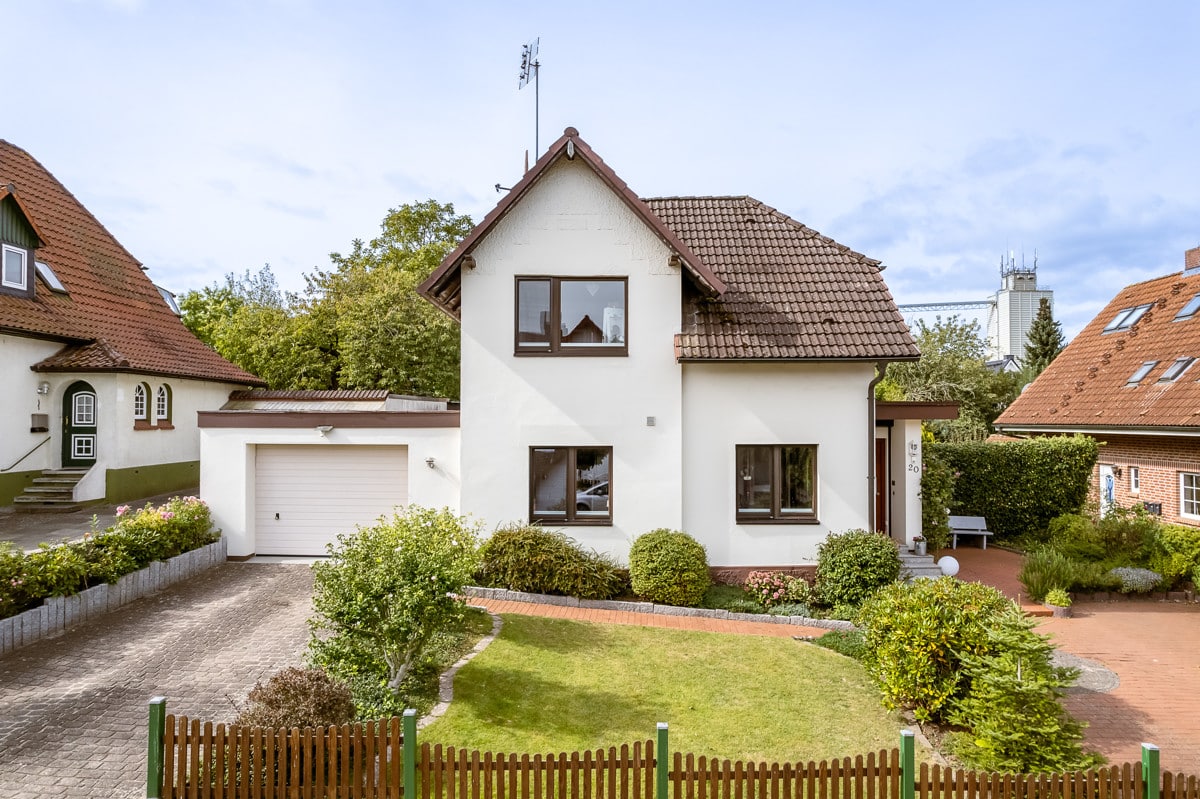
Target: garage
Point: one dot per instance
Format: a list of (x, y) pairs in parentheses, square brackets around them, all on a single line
[(306, 495)]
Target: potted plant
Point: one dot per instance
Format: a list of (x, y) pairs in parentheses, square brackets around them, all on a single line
[(1059, 602), (919, 544)]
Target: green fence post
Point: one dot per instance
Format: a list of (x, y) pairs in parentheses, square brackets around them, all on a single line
[(410, 752), (154, 747), (1151, 774), (908, 764), (661, 767)]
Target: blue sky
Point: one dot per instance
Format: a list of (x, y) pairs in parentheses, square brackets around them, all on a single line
[(217, 136)]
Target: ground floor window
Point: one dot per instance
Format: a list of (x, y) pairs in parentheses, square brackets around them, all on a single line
[(1189, 495), (1135, 480), (776, 483), (570, 485)]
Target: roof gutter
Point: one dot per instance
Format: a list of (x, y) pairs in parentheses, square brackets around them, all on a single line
[(880, 368)]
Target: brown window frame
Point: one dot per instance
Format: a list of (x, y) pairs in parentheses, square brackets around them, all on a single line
[(554, 347), (776, 515), (569, 518)]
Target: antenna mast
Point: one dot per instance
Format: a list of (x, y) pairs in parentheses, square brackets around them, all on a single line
[(529, 71)]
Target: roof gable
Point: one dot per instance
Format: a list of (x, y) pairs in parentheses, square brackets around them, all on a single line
[(16, 224), (442, 287), (1116, 373), (111, 318)]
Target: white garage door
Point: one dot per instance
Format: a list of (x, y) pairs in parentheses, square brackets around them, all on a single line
[(305, 496)]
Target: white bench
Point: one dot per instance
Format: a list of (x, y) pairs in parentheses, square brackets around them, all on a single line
[(968, 525)]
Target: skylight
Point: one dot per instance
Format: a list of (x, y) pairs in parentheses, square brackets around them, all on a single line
[(169, 299), (1127, 318), (1189, 310), (1176, 369), (1141, 373), (48, 277)]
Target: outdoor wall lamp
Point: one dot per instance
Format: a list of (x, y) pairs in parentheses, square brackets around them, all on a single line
[(324, 429), (430, 462), (43, 388)]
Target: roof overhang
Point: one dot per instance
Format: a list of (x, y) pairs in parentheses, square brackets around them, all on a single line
[(443, 286), (348, 419), (1039, 429), (894, 411)]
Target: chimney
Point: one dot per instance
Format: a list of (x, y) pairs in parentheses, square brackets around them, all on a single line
[(1191, 259)]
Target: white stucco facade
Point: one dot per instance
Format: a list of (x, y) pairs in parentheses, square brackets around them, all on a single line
[(21, 400)]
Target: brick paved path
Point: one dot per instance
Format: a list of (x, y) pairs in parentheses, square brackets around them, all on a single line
[(73, 708)]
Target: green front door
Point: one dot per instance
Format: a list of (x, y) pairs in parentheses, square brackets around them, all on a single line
[(79, 426)]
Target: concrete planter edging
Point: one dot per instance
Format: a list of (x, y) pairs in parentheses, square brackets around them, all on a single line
[(57, 614)]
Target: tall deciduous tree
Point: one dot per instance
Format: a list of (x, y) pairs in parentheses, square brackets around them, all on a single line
[(952, 369), (1046, 340)]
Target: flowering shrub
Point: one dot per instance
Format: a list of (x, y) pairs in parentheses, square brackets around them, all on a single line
[(138, 538), (777, 588), (1136, 581)]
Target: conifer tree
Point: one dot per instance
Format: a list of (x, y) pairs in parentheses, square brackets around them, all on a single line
[(1046, 340)]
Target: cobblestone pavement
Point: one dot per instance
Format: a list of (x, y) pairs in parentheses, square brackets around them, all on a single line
[(73, 709)]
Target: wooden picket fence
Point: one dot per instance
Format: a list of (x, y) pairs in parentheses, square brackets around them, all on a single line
[(191, 760)]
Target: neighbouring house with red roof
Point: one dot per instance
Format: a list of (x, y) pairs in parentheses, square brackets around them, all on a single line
[(697, 363), (1129, 380), (102, 381)]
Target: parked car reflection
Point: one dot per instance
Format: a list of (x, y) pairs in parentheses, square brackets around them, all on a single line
[(594, 499)]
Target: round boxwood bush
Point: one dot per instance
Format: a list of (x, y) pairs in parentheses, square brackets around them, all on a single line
[(669, 567), (527, 557), (853, 565)]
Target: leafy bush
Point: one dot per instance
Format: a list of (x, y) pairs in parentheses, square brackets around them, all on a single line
[(1020, 486), (670, 567), (300, 698), (845, 642), (853, 565), (1012, 709), (153, 533), (774, 588), (916, 636), (790, 609), (384, 594), (1175, 553), (1135, 580), (1045, 569), (1127, 533), (1091, 576), (15, 595), (1058, 597), (937, 494), (1076, 536), (743, 605), (56, 570), (530, 558)]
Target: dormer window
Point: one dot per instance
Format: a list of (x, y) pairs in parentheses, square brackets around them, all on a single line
[(1189, 310), (571, 316), (1176, 370), (1127, 318), (15, 275), (1141, 373)]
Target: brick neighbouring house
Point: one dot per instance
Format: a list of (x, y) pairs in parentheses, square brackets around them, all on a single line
[(1129, 380)]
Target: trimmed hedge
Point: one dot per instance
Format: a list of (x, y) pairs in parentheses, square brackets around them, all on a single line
[(1020, 486)]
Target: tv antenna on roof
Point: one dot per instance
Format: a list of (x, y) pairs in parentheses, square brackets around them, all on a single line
[(529, 71)]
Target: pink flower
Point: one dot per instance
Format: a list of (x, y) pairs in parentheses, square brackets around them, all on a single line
[(122, 510), (167, 515)]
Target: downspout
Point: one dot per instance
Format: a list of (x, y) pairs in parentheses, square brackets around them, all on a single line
[(880, 368)]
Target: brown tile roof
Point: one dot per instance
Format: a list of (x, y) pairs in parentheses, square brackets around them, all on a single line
[(112, 317), (1086, 386), (791, 292)]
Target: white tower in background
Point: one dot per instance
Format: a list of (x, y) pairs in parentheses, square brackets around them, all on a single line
[(1013, 309)]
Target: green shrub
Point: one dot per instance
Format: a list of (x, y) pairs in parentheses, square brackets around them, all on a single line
[(530, 558), (1127, 533), (300, 698), (790, 609), (775, 588), (1020, 486), (384, 594), (1092, 576), (107, 557), (1135, 580), (1175, 553), (1045, 569), (743, 605), (179, 525), (56, 570), (846, 642), (1076, 536), (937, 494), (1058, 597), (670, 567), (916, 636), (15, 594), (853, 565)]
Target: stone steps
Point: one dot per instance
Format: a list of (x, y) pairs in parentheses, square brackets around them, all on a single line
[(53, 492), (915, 567)]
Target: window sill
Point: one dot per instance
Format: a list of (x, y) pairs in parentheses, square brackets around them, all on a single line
[(785, 520), (165, 426), (615, 352), (142, 424), (560, 522)]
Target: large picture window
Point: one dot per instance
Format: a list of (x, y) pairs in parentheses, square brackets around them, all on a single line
[(570, 485), (776, 483), (571, 316)]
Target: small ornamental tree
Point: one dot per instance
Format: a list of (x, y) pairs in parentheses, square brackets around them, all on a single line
[(385, 592)]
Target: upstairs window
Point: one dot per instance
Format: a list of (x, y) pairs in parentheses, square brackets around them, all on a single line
[(1176, 369), (1141, 373), (14, 274), (571, 316), (1189, 310), (570, 485), (48, 277), (776, 483), (1127, 318), (141, 402)]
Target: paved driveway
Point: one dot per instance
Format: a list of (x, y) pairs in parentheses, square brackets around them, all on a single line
[(73, 708)]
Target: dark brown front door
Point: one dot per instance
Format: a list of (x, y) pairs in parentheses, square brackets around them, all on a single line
[(882, 486)]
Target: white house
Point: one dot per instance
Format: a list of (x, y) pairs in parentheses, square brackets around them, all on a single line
[(102, 382), (697, 363)]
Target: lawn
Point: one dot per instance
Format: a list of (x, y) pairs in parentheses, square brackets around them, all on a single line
[(549, 685)]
